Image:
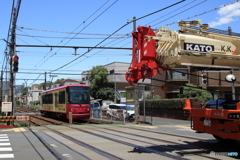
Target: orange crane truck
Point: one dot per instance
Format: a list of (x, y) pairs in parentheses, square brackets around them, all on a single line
[(165, 49)]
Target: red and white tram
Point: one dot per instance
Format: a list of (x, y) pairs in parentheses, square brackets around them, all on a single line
[(58, 102)]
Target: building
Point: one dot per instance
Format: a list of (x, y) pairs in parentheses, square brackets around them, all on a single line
[(116, 79), (212, 80), (33, 93)]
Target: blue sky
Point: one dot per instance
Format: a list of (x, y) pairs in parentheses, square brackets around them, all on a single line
[(55, 22)]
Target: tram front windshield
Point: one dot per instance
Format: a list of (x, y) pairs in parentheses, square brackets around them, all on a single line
[(78, 95)]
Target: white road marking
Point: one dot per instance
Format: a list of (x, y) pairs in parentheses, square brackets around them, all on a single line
[(3, 135), (6, 156), (6, 149), (5, 144), (4, 140)]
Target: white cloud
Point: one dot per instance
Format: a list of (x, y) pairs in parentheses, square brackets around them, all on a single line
[(227, 15)]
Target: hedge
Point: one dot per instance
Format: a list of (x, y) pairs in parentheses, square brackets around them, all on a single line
[(169, 104)]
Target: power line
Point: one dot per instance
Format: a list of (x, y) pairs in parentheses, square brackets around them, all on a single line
[(31, 36), (180, 12), (88, 47), (170, 13), (84, 28), (117, 31), (67, 36), (88, 34), (204, 12)]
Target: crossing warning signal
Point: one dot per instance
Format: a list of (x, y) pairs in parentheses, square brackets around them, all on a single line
[(15, 64), (204, 79)]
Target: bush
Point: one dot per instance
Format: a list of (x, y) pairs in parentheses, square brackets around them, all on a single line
[(164, 103), (36, 103)]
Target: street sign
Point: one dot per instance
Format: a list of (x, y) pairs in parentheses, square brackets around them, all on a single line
[(6, 106), (22, 118)]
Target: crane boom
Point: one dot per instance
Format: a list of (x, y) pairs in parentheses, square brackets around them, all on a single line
[(166, 49)]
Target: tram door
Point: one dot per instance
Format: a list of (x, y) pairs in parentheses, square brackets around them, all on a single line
[(55, 101)]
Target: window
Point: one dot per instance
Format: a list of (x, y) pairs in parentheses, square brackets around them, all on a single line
[(47, 99), (61, 97), (111, 71), (78, 95), (177, 74), (147, 88)]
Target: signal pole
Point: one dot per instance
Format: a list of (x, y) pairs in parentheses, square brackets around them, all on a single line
[(11, 54)]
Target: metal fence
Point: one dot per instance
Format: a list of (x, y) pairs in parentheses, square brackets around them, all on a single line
[(109, 115)]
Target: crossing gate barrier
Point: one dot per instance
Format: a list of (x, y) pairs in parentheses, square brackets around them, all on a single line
[(7, 118), (14, 118)]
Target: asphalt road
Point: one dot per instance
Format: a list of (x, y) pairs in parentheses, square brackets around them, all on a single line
[(165, 139)]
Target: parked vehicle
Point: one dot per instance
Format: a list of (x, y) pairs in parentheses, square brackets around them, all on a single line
[(116, 110), (106, 103)]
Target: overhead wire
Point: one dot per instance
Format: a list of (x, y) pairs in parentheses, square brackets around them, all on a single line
[(87, 25), (117, 31), (170, 12), (174, 15), (71, 37), (6, 57), (204, 12), (180, 12), (93, 34), (95, 53), (69, 34)]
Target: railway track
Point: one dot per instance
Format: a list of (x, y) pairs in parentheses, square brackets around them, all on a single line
[(141, 143), (147, 141), (169, 146), (38, 120), (177, 145)]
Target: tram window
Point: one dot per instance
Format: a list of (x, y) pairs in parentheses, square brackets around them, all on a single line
[(61, 97), (47, 99)]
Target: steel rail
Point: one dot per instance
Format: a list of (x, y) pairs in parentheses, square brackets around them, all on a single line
[(90, 147), (148, 150)]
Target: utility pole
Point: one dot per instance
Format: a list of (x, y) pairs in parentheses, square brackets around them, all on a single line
[(1, 94), (11, 54), (26, 93), (45, 88), (136, 91), (115, 94)]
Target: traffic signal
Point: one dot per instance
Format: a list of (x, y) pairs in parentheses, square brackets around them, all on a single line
[(204, 79), (15, 64)]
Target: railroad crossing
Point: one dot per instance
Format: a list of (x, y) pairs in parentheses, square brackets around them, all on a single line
[(167, 139)]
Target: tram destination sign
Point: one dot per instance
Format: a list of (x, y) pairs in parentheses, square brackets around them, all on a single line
[(6, 106)]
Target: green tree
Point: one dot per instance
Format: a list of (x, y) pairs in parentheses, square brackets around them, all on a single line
[(24, 91), (58, 80), (191, 90), (105, 93), (98, 82)]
